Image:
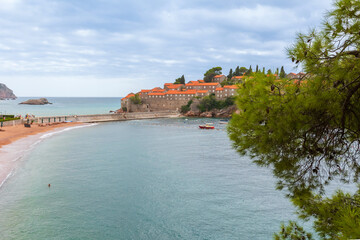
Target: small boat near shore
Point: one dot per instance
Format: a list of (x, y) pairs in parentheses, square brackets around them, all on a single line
[(224, 121), (207, 126)]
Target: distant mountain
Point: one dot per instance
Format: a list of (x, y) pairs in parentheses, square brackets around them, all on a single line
[(6, 93)]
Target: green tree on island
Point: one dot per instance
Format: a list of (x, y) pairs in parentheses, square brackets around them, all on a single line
[(230, 74), (308, 132), (180, 80), (242, 71), (282, 72), (211, 73)]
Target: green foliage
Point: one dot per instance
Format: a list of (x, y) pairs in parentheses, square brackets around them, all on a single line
[(209, 75), (230, 74), (186, 108), (124, 109), (292, 232), (249, 71), (257, 69), (180, 80), (4, 118), (237, 71), (9, 119), (269, 71), (136, 99), (282, 72), (243, 70), (337, 217), (209, 103), (309, 132)]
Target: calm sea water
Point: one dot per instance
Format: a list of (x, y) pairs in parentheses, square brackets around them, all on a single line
[(61, 106), (149, 179)]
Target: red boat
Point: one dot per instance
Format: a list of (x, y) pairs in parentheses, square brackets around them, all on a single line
[(207, 126)]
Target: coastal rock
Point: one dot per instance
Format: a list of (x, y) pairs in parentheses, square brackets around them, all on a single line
[(206, 114), (190, 114), (41, 101), (6, 93), (222, 113)]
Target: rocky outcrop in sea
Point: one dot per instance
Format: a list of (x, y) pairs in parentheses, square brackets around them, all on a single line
[(6, 93), (41, 101)]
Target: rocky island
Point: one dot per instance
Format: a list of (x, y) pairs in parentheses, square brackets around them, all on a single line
[(40, 101), (6, 93)]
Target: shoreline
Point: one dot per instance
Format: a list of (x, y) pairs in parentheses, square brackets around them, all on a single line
[(16, 141)]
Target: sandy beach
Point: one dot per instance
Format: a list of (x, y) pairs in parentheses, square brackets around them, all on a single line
[(10, 134), (16, 140)]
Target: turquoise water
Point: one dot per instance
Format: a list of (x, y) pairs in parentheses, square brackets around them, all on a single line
[(149, 179), (61, 106)]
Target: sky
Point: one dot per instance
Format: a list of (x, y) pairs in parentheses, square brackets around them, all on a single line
[(108, 48)]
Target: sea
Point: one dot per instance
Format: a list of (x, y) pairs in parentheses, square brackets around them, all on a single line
[(141, 179), (61, 106)]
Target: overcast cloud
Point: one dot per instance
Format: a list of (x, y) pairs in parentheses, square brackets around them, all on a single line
[(110, 48)]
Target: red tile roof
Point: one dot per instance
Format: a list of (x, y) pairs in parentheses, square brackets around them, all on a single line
[(171, 92), (202, 91), (156, 94), (174, 86), (145, 91), (218, 76), (202, 84), (129, 96), (231, 86), (219, 89)]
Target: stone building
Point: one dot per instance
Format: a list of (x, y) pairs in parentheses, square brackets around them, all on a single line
[(174, 96), (219, 78)]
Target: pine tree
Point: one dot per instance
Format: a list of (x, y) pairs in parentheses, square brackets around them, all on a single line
[(277, 71), (257, 69), (237, 71), (230, 74), (182, 79), (263, 71), (282, 72)]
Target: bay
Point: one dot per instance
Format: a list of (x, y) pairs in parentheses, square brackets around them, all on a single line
[(148, 179)]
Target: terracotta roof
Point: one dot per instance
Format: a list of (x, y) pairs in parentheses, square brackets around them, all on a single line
[(174, 86), (201, 81), (292, 74), (171, 92), (202, 91), (145, 91), (129, 96), (167, 84), (231, 86), (157, 89), (201, 84), (239, 77), (192, 82), (219, 89), (218, 76), (156, 94)]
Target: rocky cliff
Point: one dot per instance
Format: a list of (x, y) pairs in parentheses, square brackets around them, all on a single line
[(6, 93)]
